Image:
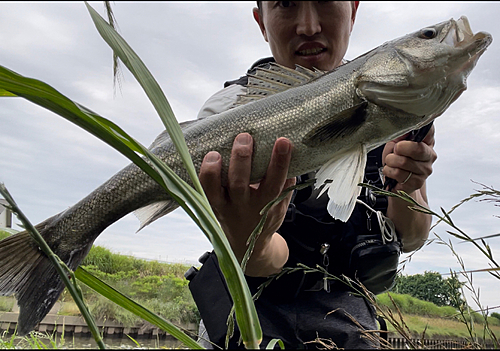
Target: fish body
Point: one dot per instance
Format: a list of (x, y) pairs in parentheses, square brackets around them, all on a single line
[(333, 120)]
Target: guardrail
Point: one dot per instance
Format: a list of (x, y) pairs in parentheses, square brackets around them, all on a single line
[(435, 343)]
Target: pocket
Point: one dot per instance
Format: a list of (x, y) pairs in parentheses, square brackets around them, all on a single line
[(375, 263)]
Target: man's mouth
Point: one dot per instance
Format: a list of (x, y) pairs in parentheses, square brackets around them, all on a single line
[(313, 51)]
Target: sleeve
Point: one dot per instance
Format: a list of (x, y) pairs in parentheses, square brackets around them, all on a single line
[(221, 101)]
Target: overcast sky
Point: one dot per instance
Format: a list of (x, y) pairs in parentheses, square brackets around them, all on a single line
[(48, 164)]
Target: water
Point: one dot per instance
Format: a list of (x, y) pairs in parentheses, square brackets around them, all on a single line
[(79, 342), (88, 342)]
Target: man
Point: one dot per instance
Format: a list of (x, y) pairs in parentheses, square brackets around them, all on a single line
[(311, 34)]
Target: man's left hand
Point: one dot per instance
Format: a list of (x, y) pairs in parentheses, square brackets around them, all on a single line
[(401, 157)]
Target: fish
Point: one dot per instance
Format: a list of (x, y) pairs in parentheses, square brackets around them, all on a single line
[(332, 118)]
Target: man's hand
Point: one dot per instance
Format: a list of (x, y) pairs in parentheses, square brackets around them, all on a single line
[(237, 205), (400, 158)]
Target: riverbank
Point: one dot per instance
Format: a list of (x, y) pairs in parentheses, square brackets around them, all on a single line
[(76, 326)]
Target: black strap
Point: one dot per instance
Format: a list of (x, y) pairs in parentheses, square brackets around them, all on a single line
[(384, 333), (243, 80)]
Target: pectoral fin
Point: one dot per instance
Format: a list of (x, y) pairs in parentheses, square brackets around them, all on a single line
[(337, 126), (341, 177)]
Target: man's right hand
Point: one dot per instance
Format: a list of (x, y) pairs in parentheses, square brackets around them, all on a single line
[(237, 205)]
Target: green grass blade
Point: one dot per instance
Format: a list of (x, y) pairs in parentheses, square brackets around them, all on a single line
[(132, 306), (273, 342)]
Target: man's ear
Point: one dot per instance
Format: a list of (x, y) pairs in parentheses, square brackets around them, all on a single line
[(260, 21)]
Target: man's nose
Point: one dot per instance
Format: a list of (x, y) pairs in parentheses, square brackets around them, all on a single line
[(308, 21)]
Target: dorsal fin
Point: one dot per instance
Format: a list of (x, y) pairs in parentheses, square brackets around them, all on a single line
[(275, 79)]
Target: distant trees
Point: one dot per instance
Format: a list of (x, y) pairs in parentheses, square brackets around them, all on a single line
[(431, 287)]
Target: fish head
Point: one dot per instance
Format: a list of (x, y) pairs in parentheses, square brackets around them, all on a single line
[(423, 72)]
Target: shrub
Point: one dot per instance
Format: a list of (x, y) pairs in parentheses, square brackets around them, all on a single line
[(161, 287), (104, 309), (6, 303), (4, 234), (495, 315)]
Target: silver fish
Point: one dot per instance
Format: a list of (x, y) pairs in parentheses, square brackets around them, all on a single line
[(333, 120)]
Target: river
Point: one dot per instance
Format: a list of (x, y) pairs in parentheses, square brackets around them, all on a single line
[(88, 342)]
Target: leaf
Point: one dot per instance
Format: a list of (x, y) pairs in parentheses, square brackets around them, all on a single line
[(273, 343)]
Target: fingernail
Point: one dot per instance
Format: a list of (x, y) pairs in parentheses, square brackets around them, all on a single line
[(243, 139), (212, 157), (283, 148)]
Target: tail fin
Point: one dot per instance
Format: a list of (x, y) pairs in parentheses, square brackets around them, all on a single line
[(27, 272)]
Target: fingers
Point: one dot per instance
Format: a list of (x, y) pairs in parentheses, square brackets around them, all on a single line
[(408, 162), (210, 178), (407, 157), (237, 204), (276, 175), (415, 151), (240, 165)]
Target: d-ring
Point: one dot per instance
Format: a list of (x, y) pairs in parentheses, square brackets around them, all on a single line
[(407, 178)]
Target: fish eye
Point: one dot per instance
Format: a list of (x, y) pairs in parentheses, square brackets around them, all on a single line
[(427, 33)]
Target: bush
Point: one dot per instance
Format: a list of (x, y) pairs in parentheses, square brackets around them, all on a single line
[(106, 261), (104, 309), (161, 287), (4, 234), (495, 315), (494, 320), (6, 303)]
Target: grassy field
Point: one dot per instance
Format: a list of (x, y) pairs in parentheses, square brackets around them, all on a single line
[(435, 327)]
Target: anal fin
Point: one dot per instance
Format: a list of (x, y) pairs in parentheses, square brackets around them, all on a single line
[(150, 213)]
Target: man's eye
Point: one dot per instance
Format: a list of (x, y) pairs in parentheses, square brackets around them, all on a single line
[(286, 4)]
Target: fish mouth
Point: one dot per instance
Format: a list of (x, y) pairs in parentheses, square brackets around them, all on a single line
[(461, 36)]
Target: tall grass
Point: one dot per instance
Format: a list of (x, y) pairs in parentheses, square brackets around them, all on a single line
[(160, 287), (476, 338)]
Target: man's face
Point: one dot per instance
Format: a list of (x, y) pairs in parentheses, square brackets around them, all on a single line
[(308, 33)]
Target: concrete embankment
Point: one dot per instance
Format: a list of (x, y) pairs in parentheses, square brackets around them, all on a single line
[(72, 325)]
